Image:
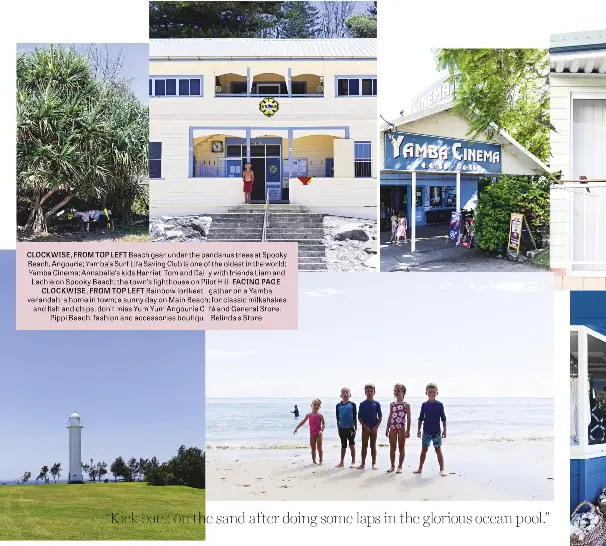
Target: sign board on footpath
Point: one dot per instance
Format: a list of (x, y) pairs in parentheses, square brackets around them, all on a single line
[(516, 227)]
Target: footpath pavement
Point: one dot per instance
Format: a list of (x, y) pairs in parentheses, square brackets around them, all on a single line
[(435, 252)]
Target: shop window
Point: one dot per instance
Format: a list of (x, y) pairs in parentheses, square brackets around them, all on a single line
[(356, 87), (155, 160), (172, 87), (362, 159)]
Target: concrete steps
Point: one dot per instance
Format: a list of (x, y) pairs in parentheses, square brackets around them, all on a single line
[(287, 223)]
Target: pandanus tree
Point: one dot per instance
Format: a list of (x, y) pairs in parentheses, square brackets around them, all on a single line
[(77, 137)]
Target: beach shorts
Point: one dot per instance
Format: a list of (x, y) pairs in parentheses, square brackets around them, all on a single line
[(347, 435), (428, 439)]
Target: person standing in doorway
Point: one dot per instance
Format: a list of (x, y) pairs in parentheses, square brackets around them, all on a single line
[(248, 177)]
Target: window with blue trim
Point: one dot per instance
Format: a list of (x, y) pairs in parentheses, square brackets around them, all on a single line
[(155, 160), (173, 87), (362, 159), (356, 87)]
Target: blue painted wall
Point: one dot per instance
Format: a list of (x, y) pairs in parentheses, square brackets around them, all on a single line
[(587, 479), (469, 185), (588, 308)]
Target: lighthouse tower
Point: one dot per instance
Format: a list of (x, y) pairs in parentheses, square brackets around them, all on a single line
[(75, 449)]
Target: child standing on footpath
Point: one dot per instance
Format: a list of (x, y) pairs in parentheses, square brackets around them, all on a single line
[(398, 427), (348, 425), (316, 429), (370, 418), (432, 412)]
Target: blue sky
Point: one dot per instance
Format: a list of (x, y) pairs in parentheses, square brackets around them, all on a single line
[(140, 394), (136, 63)]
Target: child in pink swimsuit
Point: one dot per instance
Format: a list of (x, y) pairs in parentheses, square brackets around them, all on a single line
[(316, 428), (398, 426)]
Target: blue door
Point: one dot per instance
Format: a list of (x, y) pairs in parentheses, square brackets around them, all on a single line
[(273, 178), (330, 167)]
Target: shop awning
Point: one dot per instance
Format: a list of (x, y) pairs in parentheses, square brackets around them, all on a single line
[(588, 308)]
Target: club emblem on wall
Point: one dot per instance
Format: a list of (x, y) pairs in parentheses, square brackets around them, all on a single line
[(269, 106), (273, 169)]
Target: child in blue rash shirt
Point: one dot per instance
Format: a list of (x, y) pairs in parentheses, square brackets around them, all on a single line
[(432, 412), (370, 418), (347, 425)]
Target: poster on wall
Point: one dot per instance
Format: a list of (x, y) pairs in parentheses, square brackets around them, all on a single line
[(419, 197), (299, 167), (435, 196), (451, 197)]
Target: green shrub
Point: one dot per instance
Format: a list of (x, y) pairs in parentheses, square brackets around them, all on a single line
[(500, 199)]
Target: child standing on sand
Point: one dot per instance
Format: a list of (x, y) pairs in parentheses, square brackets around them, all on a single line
[(432, 412), (347, 421), (370, 418), (398, 427), (316, 428)]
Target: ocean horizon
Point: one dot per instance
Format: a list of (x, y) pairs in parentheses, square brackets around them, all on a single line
[(267, 424)]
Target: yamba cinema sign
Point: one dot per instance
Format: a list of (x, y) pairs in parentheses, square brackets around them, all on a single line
[(412, 152)]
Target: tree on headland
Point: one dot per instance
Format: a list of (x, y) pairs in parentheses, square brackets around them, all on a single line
[(56, 471), (186, 468), (43, 474), (119, 469), (133, 468), (91, 470), (502, 89), (24, 479), (101, 470)]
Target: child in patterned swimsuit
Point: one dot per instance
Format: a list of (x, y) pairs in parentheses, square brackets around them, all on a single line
[(316, 428), (398, 426)]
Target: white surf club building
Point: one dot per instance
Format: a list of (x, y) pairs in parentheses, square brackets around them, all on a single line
[(302, 112), (578, 146)]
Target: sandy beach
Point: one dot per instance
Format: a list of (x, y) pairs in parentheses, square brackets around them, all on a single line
[(483, 471)]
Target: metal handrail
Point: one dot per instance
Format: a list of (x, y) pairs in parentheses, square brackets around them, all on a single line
[(265, 218)]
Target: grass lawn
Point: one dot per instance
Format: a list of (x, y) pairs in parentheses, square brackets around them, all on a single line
[(104, 511)]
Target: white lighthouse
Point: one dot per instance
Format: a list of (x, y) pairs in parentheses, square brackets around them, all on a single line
[(75, 449)]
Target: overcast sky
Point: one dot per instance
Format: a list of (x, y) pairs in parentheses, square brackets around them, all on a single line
[(476, 335)]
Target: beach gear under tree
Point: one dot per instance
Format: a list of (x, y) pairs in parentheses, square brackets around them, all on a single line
[(77, 138)]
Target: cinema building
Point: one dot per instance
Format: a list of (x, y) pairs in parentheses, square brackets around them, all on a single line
[(578, 146), (302, 112), (431, 169)]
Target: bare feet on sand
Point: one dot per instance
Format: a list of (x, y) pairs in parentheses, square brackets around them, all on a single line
[(443, 473), (360, 467), (390, 469), (374, 466), (418, 471), (352, 465), (399, 471), (340, 465)]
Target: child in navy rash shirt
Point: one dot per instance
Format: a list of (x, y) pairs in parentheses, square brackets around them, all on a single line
[(431, 417)]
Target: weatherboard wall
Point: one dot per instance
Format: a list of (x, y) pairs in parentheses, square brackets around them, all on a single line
[(171, 119), (564, 152)]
